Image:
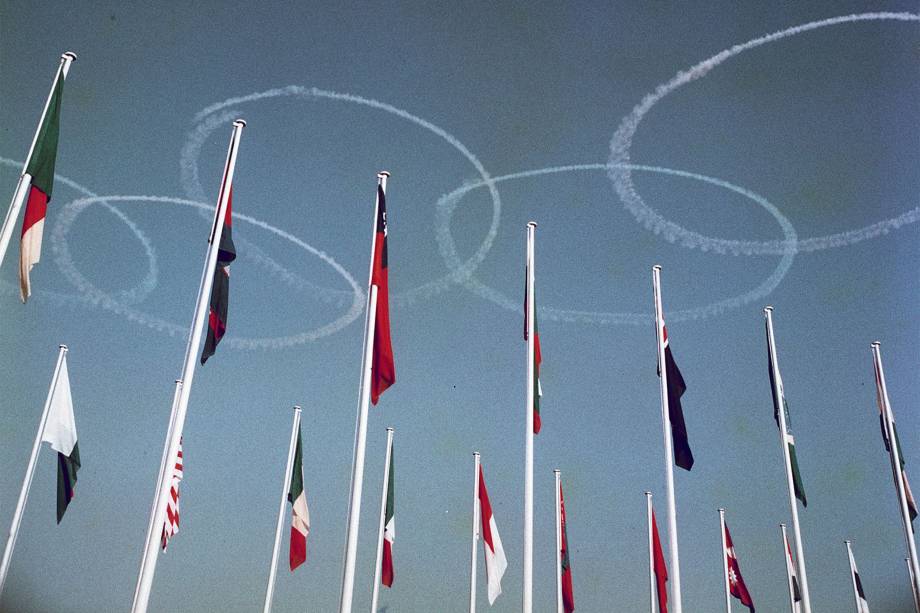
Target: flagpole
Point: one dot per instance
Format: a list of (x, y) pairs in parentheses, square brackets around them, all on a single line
[(651, 555), (19, 196), (853, 576), (913, 592), (728, 601), (383, 511), (475, 531), (784, 443), (286, 486), (177, 421), (782, 528), (357, 467), (30, 472), (668, 451), (558, 543), (895, 454), (527, 600)]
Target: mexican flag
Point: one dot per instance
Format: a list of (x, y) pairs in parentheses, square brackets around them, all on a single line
[(300, 514), (389, 531), (61, 432)]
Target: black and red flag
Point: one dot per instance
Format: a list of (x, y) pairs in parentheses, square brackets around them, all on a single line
[(383, 373), (683, 457), (220, 289)]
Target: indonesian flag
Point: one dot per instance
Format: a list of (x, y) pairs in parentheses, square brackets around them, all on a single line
[(661, 569), (862, 605), (171, 525), (61, 433), (383, 372), (537, 355), (300, 514), (736, 585), (39, 175), (779, 401), (880, 399), (220, 289), (568, 598), (792, 576), (683, 457), (496, 563), (389, 531)]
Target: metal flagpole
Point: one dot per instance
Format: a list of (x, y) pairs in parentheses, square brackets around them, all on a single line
[(286, 486), (527, 600), (895, 454), (728, 601), (668, 451), (30, 472), (19, 196), (784, 442), (383, 512), (364, 396), (792, 607), (651, 555), (853, 576), (177, 421), (475, 531), (558, 544), (913, 592)]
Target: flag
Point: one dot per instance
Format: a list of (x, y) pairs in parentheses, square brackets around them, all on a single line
[(537, 355), (683, 457), (779, 400), (40, 176), (61, 432), (661, 569), (496, 563), (736, 585), (171, 525), (568, 598), (389, 531), (383, 372), (300, 514), (882, 405), (220, 289), (792, 575), (862, 605)]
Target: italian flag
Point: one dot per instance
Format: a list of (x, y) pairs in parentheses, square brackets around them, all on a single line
[(389, 531), (61, 432), (496, 562), (300, 514)]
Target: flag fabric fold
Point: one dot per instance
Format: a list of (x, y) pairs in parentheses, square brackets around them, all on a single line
[(220, 288), (683, 456), (862, 605), (568, 597), (661, 569), (779, 403), (882, 406), (496, 562), (61, 433), (737, 587), (171, 524), (300, 514), (792, 575), (537, 354), (383, 371), (389, 530)]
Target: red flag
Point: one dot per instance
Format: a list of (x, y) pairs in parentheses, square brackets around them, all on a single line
[(383, 373), (171, 525), (736, 585), (568, 598), (661, 569)]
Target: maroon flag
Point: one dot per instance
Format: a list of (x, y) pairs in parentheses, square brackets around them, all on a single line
[(736, 585), (661, 569), (568, 597), (220, 289), (383, 373)]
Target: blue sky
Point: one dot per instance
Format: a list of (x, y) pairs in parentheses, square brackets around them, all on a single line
[(808, 136)]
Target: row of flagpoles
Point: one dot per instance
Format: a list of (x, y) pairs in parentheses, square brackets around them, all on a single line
[(377, 374)]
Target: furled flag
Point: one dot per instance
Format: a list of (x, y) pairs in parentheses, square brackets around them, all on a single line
[(389, 531), (40, 171), (683, 457), (496, 563), (300, 514), (661, 569), (862, 605), (220, 290), (537, 355), (880, 399), (779, 400), (568, 597), (61, 432), (793, 576), (171, 525), (736, 585), (383, 372)]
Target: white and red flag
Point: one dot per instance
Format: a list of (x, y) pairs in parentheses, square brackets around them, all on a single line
[(496, 563), (171, 525)]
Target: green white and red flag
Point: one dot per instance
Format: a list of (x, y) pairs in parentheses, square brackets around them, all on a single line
[(389, 530), (300, 514)]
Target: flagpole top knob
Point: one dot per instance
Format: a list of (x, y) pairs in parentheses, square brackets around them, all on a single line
[(647, 493), (240, 123), (64, 347), (721, 510), (846, 542), (475, 454), (390, 429), (556, 471), (179, 381), (532, 224), (297, 408), (657, 267), (383, 173), (767, 309), (875, 344), (69, 55), (782, 525)]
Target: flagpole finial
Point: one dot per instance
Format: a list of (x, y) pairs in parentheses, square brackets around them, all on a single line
[(556, 471), (782, 525), (532, 224), (475, 454), (69, 55), (62, 346), (297, 408), (240, 123), (875, 344), (846, 542), (767, 309), (383, 173), (647, 493), (390, 429), (721, 509), (657, 267)]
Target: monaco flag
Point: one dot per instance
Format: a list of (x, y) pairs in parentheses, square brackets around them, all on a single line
[(736, 585), (496, 563)]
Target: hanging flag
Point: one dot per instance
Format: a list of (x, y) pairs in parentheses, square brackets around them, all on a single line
[(779, 400), (383, 372), (568, 597), (61, 432), (736, 585), (300, 514), (880, 400), (220, 289), (537, 355), (40, 171), (862, 605), (683, 457), (496, 563), (661, 569), (171, 525), (389, 531), (793, 576)]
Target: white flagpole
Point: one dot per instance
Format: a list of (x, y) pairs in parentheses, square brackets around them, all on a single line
[(357, 467), (383, 511), (792, 607), (527, 600), (652, 596), (475, 531), (19, 196), (728, 600), (177, 421), (784, 442), (894, 456), (668, 451), (30, 472), (913, 592), (285, 487), (853, 576), (558, 543)]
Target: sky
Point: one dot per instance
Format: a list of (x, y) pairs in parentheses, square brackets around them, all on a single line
[(780, 172)]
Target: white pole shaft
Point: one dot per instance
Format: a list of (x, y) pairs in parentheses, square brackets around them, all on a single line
[(30, 473), (792, 607), (157, 518), (668, 451), (527, 599), (285, 487), (19, 196), (383, 511), (558, 542), (787, 462), (894, 455), (652, 596), (475, 531), (728, 600), (853, 576), (913, 592)]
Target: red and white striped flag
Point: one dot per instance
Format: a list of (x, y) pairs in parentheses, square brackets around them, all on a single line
[(171, 525)]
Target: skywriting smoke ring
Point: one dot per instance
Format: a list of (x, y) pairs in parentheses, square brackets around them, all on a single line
[(448, 203), (215, 115), (620, 172)]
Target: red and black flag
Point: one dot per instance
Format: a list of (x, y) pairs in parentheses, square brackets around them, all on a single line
[(383, 373), (220, 289), (683, 457)]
